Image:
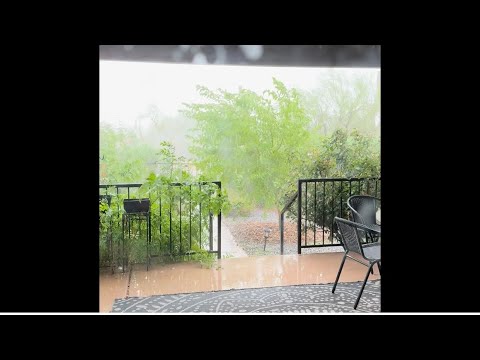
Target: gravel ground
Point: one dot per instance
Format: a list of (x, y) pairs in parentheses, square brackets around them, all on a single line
[(255, 248), (248, 232), (255, 215)]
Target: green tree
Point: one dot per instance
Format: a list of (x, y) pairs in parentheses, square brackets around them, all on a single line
[(347, 103), (346, 154), (341, 155), (255, 144), (124, 157)]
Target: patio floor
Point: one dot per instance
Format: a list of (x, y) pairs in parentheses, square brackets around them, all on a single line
[(230, 273)]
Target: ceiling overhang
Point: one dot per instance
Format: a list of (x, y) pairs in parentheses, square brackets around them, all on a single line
[(261, 55)]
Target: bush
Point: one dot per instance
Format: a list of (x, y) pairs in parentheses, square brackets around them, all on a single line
[(340, 155), (175, 203)]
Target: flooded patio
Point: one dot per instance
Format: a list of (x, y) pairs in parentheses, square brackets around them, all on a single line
[(229, 273)]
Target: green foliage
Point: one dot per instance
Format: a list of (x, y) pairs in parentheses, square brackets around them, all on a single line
[(346, 154), (340, 155), (257, 145), (194, 191), (186, 211), (124, 157), (109, 217), (340, 103), (254, 143), (206, 259)]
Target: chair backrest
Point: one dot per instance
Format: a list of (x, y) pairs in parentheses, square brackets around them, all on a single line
[(363, 208), (349, 236)]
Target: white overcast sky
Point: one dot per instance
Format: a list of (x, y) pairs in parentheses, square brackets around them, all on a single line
[(127, 88)]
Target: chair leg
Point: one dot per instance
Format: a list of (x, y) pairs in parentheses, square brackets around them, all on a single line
[(379, 268), (339, 271), (363, 286)]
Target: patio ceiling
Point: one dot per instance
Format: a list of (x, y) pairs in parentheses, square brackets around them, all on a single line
[(267, 55)]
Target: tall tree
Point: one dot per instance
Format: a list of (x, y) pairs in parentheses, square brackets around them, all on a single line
[(345, 102), (253, 143), (124, 157)]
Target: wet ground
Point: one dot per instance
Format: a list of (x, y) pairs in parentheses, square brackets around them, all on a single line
[(244, 264), (230, 273)]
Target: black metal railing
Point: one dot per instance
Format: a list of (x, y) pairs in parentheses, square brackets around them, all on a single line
[(282, 219), (328, 198), (183, 209)]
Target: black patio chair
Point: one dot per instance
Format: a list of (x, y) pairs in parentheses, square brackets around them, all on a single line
[(368, 254), (363, 209)]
